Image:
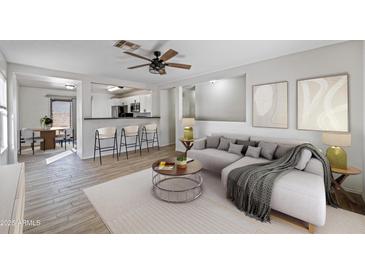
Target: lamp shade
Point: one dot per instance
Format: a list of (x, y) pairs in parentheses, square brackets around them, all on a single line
[(188, 122), (337, 139)]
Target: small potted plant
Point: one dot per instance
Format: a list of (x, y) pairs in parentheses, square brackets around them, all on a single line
[(46, 122), (181, 161)]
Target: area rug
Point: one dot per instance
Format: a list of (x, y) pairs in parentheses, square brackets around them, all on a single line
[(127, 205)]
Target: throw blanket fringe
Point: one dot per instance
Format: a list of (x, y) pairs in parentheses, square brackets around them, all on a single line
[(250, 187)]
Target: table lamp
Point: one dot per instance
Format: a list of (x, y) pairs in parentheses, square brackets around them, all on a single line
[(188, 128), (335, 153)]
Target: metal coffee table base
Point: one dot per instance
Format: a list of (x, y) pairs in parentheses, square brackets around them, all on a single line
[(177, 189)]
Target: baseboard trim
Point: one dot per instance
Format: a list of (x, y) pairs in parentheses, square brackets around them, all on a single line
[(353, 191)]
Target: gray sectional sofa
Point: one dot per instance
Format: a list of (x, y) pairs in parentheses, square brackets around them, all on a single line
[(299, 193)]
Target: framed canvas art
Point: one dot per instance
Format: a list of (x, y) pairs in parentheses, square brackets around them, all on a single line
[(270, 105), (323, 103)]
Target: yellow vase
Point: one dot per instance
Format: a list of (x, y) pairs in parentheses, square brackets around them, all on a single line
[(188, 133), (337, 157)]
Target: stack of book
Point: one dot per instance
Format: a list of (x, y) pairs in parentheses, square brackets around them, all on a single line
[(166, 165)]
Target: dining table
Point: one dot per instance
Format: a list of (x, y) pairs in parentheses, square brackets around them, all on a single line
[(49, 136)]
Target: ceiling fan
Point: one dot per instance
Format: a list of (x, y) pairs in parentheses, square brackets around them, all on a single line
[(158, 64)]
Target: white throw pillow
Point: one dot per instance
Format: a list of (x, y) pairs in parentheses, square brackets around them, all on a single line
[(305, 156)]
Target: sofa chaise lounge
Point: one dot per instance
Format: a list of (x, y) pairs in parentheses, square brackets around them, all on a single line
[(299, 193)]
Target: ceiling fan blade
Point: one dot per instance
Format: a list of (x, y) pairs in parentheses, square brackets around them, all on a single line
[(168, 55), (162, 71), (138, 56), (139, 66), (175, 65)]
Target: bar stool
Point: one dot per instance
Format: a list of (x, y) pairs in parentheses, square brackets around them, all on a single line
[(150, 129), (106, 133), (127, 132)]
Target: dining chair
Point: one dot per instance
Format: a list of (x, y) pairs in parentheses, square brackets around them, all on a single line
[(69, 134), (60, 137), (29, 137)]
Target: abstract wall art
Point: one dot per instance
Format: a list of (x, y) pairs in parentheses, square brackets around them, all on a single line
[(270, 105), (322, 103)]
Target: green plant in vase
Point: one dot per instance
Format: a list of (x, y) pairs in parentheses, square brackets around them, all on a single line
[(181, 161), (46, 122)]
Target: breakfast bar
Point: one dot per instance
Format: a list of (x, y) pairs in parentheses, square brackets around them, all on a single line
[(90, 125)]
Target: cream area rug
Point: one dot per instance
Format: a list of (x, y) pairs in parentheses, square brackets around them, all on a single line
[(127, 205)]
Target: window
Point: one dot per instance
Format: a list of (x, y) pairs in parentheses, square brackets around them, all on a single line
[(3, 115), (61, 112)]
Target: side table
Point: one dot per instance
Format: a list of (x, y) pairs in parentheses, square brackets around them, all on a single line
[(344, 173), (188, 144)]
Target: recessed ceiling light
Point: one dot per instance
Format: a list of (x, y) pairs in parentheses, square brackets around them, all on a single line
[(114, 88), (70, 87)]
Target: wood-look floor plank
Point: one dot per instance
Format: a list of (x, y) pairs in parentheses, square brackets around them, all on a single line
[(54, 193)]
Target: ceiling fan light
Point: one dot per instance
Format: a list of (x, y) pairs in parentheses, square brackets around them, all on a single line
[(154, 70)]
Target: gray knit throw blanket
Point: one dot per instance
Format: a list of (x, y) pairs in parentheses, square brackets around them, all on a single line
[(250, 187)]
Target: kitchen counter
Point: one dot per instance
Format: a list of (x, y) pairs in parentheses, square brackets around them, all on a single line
[(108, 118)]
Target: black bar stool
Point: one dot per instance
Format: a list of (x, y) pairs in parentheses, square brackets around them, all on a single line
[(128, 132), (106, 133), (150, 129)]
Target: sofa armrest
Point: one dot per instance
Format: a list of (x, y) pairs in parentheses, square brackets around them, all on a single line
[(200, 143), (314, 166)]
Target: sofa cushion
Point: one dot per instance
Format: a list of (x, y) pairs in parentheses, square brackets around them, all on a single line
[(224, 143), (213, 159), (245, 144), (235, 149), (282, 149), (253, 152), (296, 193), (305, 156), (212, 141), (302, 195), (267, 150), (277, 140), (315, 166), (200, 143), (232, 135), (245, 161)]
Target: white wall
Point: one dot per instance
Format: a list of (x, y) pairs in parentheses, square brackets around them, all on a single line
[(33, 104), (3, 64), (363, 92), (101, 105), (155, 102), (226, 95), (339, 58), (3, 70), (167, 114), (179, 129)]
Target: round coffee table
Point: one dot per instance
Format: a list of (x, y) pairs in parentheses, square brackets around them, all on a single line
[(178, 185)]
